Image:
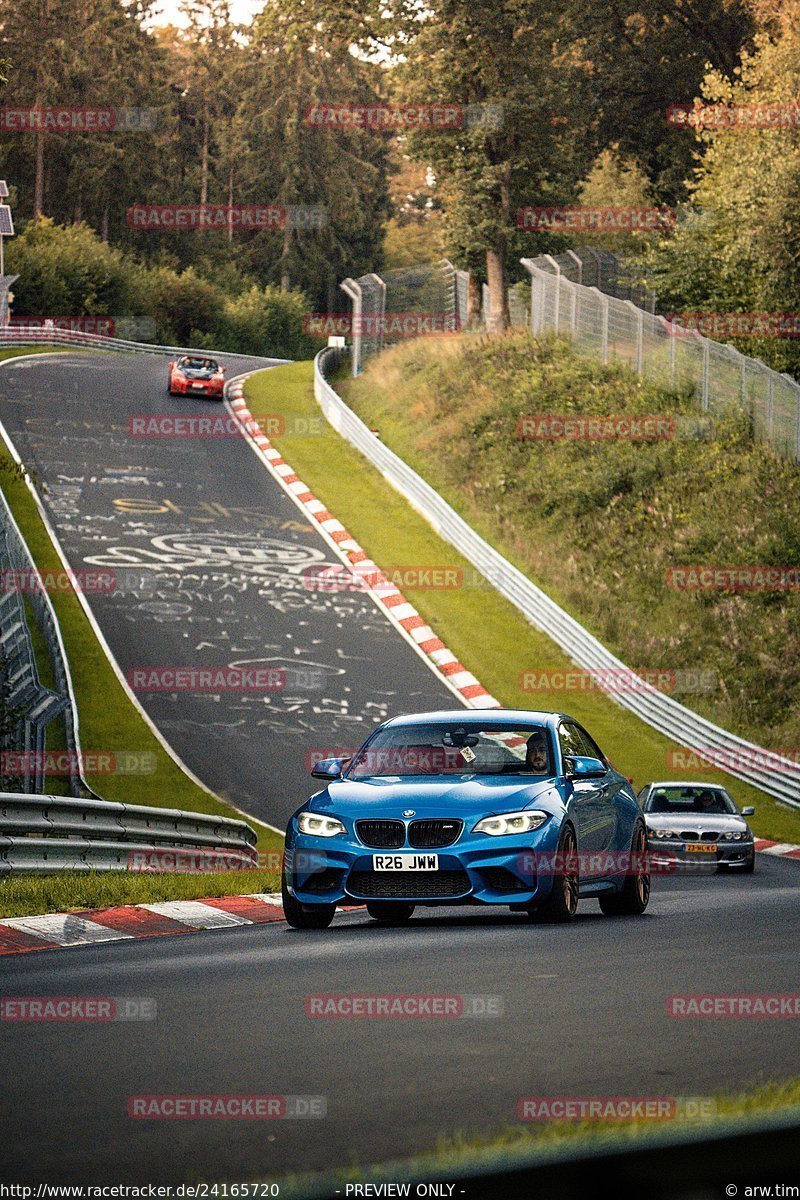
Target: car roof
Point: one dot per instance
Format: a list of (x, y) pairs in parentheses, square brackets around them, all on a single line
[(688, 783), (479, 716)]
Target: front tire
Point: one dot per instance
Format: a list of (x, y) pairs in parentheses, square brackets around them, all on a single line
[(562, 903), (390, 912), (635, 895), (318, 917)]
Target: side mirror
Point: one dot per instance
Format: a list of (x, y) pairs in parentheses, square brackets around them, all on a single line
[(578, 767), (329, 768), (748, 812)]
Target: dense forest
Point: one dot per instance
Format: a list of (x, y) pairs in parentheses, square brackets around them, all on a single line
[(556, 105)]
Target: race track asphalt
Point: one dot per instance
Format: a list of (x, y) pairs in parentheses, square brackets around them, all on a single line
[(211, 561), (584, 1014)]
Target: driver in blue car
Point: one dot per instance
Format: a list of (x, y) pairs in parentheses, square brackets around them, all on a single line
[(536, 757)]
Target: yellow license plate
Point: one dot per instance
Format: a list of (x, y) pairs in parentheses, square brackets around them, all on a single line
[(700, 848)]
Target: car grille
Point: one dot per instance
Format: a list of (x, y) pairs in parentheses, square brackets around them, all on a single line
[(383, 835), (407, 885), (425, 835), (694, 835)]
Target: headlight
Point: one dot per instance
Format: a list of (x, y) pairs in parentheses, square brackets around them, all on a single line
[(662, 834), (734, 837), (519, 822), (319, 826)]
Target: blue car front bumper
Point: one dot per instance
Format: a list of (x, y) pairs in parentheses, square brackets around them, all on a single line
[(477, 869)]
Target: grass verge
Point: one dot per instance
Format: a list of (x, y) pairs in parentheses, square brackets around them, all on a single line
[(483, 629), (68, 891), (518, 1145)]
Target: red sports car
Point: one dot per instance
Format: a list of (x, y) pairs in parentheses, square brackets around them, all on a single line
[(193, 375)]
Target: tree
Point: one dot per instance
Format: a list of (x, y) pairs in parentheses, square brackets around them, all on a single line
[(515, 63), (739, 249)]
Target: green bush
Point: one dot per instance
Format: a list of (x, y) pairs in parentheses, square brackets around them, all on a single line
[(67, 271), (264, 321)]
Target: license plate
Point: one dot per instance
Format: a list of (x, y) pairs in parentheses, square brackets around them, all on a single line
[(700, 847), (199, 387), (405, 862)]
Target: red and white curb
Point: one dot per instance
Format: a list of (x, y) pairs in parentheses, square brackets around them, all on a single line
[(61, 930), (392, 601)]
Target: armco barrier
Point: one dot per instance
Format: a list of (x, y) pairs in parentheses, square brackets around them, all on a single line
[(733, 754), (53, 833), (29, 335)]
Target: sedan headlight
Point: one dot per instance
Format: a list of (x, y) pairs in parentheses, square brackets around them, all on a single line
[(734, 836), (319, 826), (510, 823), (662, 835)]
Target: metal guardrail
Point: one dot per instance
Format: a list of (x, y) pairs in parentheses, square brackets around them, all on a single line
[(53, 833), (778, 777), (37, 705), (26, 335)]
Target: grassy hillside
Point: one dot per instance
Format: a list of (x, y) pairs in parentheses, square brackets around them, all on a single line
[(598, 524), (484, 630)]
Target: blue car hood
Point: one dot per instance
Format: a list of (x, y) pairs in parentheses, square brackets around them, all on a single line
[(435, 796)]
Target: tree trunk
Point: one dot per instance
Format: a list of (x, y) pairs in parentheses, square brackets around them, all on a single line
[(38, 189), (230, 205), (287, 245), (104, 225), (204, 158), (497, 316), (473, 301)]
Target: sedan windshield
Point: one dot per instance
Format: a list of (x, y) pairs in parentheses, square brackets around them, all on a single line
[(198, 364), (680, 800), (452, 749)]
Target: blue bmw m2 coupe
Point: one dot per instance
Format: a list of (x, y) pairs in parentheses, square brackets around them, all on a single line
[(482, 806)]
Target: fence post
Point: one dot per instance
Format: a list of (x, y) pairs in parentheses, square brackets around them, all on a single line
[(605, 327), (536, 293), (704, 392), (770, 404), (672, 352), (575, 258), (353, 291), (639, 336), (573, 311), (557, 306)]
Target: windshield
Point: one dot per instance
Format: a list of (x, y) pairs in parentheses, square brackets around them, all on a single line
[(699, 800), (452, 749), (198, 364)]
